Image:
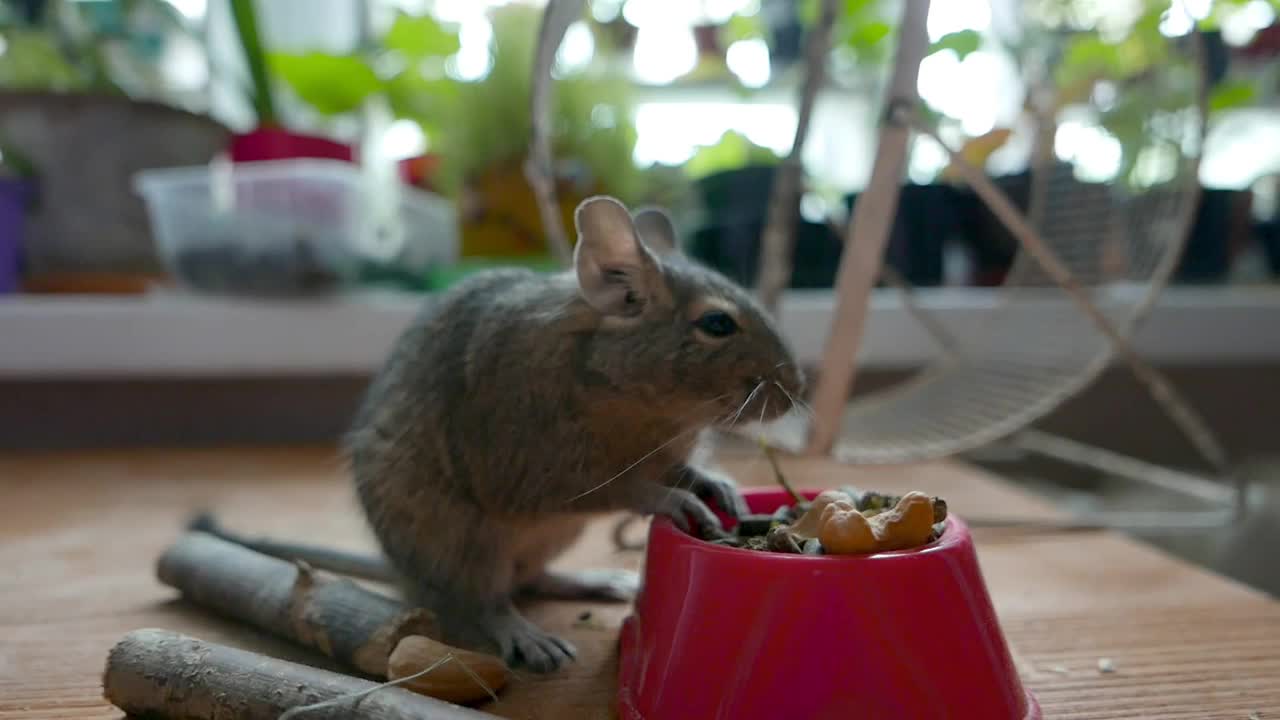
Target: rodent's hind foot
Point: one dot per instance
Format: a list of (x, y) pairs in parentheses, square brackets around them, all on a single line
[(524, 644), (608, 584)]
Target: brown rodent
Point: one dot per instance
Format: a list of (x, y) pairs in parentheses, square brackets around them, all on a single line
[(518, 403)]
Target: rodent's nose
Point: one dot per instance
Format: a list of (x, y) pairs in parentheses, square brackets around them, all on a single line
[(793, 378)]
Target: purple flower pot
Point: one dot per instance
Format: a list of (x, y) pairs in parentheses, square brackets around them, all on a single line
[(15, 195)]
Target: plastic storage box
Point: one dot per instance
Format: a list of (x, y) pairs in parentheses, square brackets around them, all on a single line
[(727, 633), (288, 227)]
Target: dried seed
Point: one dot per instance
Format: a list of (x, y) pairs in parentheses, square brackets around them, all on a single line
[(939, 510), (1105, 665), (781, 540), (784, 515)]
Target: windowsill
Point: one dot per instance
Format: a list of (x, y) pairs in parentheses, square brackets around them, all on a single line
[(174, 335)]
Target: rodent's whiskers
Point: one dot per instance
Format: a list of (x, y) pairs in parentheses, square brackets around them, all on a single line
[(625, 470), (796, 402), (651, 453), (746, 402)]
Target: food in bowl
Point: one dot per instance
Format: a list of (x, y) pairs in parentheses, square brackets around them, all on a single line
[(843, 522)]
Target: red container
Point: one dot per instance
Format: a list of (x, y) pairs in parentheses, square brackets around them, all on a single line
[(276, 144), (724, 633)]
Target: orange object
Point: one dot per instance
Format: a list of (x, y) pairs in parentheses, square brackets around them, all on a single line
[(90, 283)]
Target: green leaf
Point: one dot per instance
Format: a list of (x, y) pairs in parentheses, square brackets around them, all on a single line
[(807, 12), (855, 8), (1229, 95), (733, 150), (420, 37), (866, 36), (1088, 56), (430, 103), (33, 61), (962, 43), (332, 84), (743, 27)]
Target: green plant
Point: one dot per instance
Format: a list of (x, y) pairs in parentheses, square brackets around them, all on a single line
[(338, 84), (489, 122), (1153, 79), (32, 60), (476, 126), (111, 46), (246, 23), (733, 150), (44, 54)]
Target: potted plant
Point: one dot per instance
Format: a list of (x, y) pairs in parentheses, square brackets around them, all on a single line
[(391, 71), (484, 137), (82, 137), (269, 139), (478, 130)]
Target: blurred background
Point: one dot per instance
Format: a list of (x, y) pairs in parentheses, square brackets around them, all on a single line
[(216, 215)]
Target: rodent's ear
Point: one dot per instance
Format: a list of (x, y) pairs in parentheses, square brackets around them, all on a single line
[(656, 230), (617, 275)]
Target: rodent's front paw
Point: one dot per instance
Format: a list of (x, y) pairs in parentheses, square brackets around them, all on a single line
[(681, 505), (720, 489)]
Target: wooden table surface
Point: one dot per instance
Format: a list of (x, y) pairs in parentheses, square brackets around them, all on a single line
[(79, 534)]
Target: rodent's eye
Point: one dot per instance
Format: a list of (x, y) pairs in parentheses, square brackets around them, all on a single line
[(717, 323)]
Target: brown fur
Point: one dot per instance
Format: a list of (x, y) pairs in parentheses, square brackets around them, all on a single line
[(517, 403)]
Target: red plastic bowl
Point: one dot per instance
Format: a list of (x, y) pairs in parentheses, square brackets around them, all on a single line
[(725, 633)]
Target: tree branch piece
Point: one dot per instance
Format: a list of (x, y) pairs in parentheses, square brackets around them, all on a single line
[(161, 674)]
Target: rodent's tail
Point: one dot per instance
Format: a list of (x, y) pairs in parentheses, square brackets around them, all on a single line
[(368, 567)]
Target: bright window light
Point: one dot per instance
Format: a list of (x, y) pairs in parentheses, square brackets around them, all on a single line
[(1238, 28), (664, 52), (652, 13), (671, 132), (473, 60), (719, 11), (956, 15), (606, 11), (975, 91), (577, 48), (192, 9), (1175, 22), (749, 60), (1094, 151), (403, 139)]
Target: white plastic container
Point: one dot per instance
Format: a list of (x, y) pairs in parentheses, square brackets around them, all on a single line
[(288, 227)]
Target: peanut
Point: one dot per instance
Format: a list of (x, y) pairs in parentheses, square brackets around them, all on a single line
[(909, 524), (810, 523), (845, 531), (450, 681)]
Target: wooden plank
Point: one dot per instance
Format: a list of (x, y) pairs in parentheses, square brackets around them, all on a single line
[(79, 534)]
